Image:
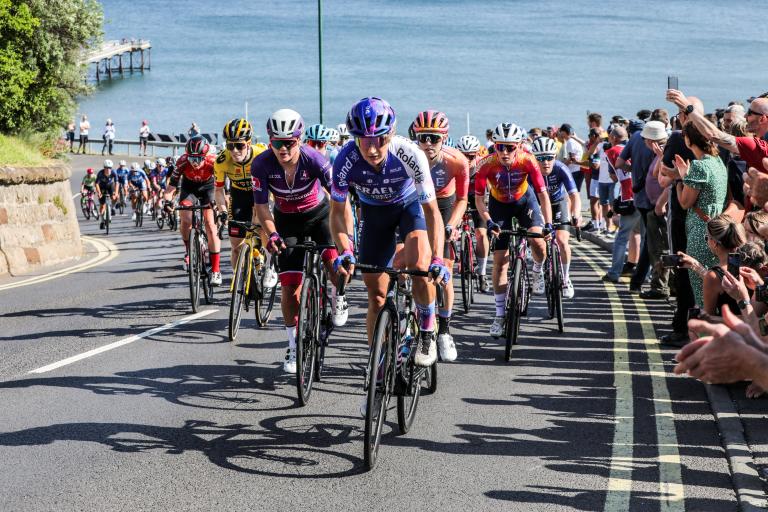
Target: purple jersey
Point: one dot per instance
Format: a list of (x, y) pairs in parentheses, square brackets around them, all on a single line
[(559, 182), (313, 174), (403, 178)]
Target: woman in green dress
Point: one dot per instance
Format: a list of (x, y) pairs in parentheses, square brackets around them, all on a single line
[(702, 191)]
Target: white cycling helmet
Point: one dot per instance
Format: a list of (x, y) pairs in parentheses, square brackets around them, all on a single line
[(122, 163), (334, 135), (148, 163), (135, 166), (544, 146), (160, 161), (285, 124), (507, 133), (468, 144), (108, 163), (343, 131)]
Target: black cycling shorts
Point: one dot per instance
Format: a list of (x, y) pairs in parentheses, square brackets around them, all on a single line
[(240, 209), (293, 227), (477, 219), (526, 210), (560, 212), (445, 205), (193, 192)]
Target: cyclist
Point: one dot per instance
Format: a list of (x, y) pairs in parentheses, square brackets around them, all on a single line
[(343, 135), (507, 171), (296, 175), (561, 188), (333, 144), (122, 173), (157, 180), (392, 179), (106, 184), (450, 176), (88, 184), (138, 182), (234, 163), (469, 145), (318, 137), (196, 167)]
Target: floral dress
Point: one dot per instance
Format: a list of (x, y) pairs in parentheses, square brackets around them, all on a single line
[(710, 177)]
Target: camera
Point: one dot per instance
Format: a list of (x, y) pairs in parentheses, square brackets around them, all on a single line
[(734, 263), (671, 260)]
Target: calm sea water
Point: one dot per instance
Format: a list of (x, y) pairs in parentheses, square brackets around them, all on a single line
[(530, 62)]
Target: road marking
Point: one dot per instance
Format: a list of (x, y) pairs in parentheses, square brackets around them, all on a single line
[(126, 341), (74, 196), (671, 488), (105, 251)]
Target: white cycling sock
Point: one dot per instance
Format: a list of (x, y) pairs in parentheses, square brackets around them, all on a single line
[(500, 298), (566, 268), (536, 267), (481, 264), (291, 332)]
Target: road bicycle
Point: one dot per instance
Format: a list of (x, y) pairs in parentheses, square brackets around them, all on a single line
[(391, 368), (121, 199), (107, 217), (138, 210), (88, 205), (465, 249), (554, 278), (248, 283), (198, 270)]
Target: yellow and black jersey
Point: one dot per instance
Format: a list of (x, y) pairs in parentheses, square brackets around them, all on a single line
[(239, 174)]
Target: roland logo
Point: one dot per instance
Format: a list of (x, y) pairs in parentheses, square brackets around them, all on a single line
[(409, 160)]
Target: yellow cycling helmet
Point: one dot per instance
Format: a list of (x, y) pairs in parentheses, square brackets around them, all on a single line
[(238, 129)]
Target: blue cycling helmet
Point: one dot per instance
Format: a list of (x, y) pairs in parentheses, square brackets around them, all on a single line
[(370, 117), (318, 132), (448, 141)]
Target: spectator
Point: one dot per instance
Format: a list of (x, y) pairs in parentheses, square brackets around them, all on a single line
[(607, 175), (144, 132), (108, 137), (756, 225), (85, 127), (71, 135), (643, 115), (194, 130), (570, 154), (489, 139), (534, 133), (702, 191), (733, 114)]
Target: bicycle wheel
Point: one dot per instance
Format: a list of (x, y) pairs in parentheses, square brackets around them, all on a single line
[(205, 269), (160, 219), (466, 275), (557, 286), (139, 211), (266, 299), (194, 269), (239, 282), (94, 209), (408, 402), (549, 286), (306, 338), (121, 202), (380, 364), (107, 216), (512, 322), (85, 207), (325, 326)]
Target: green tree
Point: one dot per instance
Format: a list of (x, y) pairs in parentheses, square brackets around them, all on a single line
[(41, 45)]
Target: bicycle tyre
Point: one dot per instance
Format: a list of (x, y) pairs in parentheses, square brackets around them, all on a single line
[(107, 216), (557, 284), (205, 271), (239, 282), (306, 338), (266, 299), (512, 321), (160, 219), (465, 276), (85, 207), (194, 270), (139, 211), (407, 404), (471, 267), (325, 326), (375, 413), (549, 286)]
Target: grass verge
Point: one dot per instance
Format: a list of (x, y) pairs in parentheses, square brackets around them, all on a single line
[(22, 151)]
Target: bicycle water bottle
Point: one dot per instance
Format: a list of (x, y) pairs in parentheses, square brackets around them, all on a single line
[(404, 350)]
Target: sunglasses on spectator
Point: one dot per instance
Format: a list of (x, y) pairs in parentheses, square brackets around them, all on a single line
[(317, 144), (751, 112), (283, 143), (505, 148), (196, 159), (366, 142), (236, 146), (545, 158), (431, 138)]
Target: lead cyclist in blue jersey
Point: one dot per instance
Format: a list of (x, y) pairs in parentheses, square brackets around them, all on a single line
[(560, 187), (392, 179)]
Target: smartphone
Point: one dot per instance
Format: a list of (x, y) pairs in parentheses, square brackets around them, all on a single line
[(734, 262), (671, 260), (761, 293), (672, 82), (694, 313)]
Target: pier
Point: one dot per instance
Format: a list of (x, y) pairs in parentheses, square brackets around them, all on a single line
[(111, 57)]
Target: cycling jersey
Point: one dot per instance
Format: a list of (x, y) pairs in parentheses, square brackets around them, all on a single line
[(239, 174), (158, 176), (122, 174), (333, 152), (403, 178), (138, 179), (199, 175), (509, 183), (560, 182), (105, 182), (89, 180), (313, 174), (451, 174)]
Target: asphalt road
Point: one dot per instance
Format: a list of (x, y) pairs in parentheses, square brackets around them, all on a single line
[(591, 419)]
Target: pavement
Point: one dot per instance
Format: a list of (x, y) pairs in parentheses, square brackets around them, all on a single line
[(116, 398)]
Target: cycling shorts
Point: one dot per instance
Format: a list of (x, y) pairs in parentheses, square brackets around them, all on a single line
[(240, 209), (196, 191), (477, 219), (445, 205), (141, 185), (293, 228), (560, 212), (377, 240), (526, 210)]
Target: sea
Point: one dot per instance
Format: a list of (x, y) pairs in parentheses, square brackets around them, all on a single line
[(534, 63)]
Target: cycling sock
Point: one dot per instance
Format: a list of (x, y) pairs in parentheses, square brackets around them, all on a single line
[(215, 260), (426, 317), (500, 298), (566, 268), (536, 267), (443, 321), (481, 263), (291, 332)]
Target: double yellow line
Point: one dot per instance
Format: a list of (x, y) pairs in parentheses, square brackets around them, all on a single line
[(671, 492)]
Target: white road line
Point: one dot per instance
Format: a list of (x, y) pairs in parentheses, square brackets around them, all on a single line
[(126, 341), (74, 196), (105, 251)]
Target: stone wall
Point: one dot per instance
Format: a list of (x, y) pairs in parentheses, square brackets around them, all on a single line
[(38, 219)]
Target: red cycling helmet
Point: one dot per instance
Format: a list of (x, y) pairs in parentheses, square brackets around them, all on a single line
[(197, 146), (89, 171)]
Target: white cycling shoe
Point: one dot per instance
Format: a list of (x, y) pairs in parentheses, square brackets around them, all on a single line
[(216, 278), (497, 327), (568, 291), (270, 278), (289, 365), (538, 283), (340, 311), (426, 353), (446, 347)]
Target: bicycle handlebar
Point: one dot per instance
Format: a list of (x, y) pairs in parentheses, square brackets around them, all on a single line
[(195, 207)]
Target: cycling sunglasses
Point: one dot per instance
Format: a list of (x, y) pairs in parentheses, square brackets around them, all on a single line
[(283, 143), (237, 145), (432, 138), (470, 156), (317, 144), (545, 158), (196, 159), (377, 142), (508, 148)]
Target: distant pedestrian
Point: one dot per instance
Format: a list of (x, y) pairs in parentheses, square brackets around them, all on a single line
[(71, 135), (108, 137), (85, 127), (144, 132), (194, 130)]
